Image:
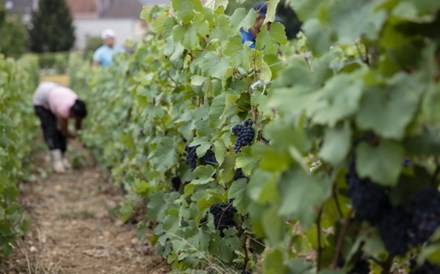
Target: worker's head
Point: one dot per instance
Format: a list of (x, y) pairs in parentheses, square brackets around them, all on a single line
[(79, 109), (261, 9), (108, 37)]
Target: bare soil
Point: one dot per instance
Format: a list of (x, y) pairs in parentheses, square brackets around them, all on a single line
[(72, 231)]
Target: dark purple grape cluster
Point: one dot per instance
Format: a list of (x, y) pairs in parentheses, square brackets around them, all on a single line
[(191, 156), (245, 135), (223, 216), (394, 230), (400, 228), (426, 268), (360, 267), (425, 209), (368, 199)]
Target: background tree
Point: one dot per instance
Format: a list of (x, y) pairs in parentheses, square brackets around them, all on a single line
[(52, 28), (14, 37)]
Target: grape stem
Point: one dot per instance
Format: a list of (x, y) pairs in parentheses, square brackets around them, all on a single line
[(364, 58), (386, 266), (318, 224), (246, 255), (345, 224), (436, 172), (176, 84), (338, 205)]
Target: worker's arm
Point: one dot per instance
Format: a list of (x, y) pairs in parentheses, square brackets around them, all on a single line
[(64, 128), (78, 123)]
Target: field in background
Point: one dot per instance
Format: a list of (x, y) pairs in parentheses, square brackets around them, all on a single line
[(62, 79)]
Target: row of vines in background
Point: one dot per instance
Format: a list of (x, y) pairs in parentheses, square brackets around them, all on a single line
[(317, 156), (18, 79)]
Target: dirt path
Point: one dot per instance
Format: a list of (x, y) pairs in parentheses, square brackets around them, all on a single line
[(72, 231)]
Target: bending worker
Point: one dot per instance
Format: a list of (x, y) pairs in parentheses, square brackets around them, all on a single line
[(55, 105)]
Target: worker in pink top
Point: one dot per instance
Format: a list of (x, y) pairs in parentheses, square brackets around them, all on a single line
[(55, 105)]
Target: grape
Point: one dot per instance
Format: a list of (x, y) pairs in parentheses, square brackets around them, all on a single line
[(191, 156), (407, 162), (238, 174), (223, 216), (176, 182), (245, 135), (248, 123), (209, 158), (368, 199), (426, 268), (394, 230), (425, 209)]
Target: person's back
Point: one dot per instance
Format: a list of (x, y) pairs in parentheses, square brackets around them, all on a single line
[(41, 95), (61, 100)]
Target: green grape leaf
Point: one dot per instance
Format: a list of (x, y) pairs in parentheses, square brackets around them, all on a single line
[(318, 36), (306, 8), (220, 151), (283, 136), (382, 164), (240, 19), (234, 50), (274, 225), (186, 9), (271, 10), (237, 191), (273, 262), (270, 40), (352, 19), (300, 266), (337, 142), (163, 24), (224, 247), (190, 35), (215, 4), (216, 110), (388, 110), (338, 99), (263, 187), (426, 143), (203, 175), (215, 66), (246, 161), (430, 103), (302, 194), (164, 156), (422, 8)]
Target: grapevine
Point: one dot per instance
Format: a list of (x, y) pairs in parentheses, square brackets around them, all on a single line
[(193, 79)]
